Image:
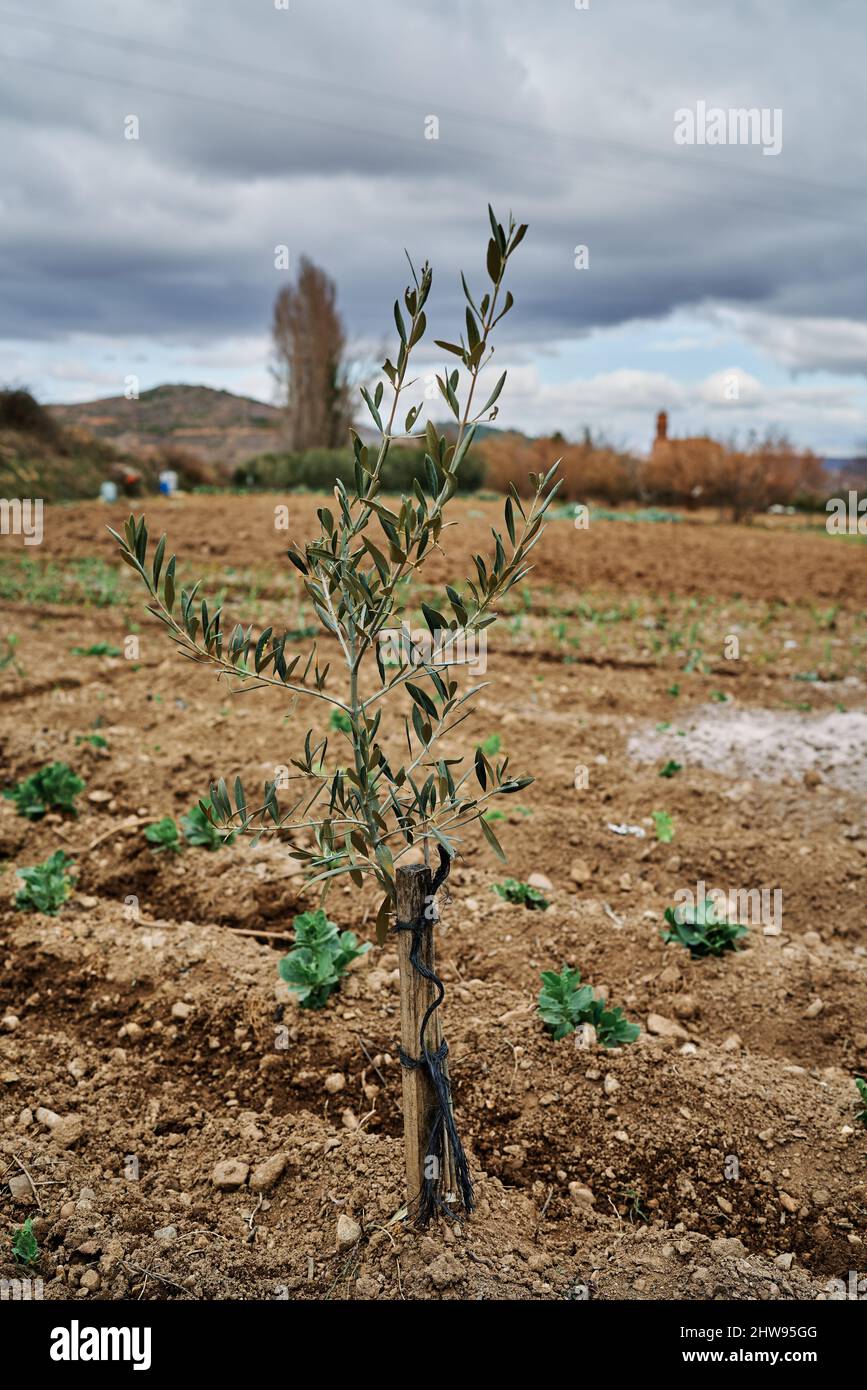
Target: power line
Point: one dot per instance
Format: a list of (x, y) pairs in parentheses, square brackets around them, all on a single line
[(491, 157), (217, 63)]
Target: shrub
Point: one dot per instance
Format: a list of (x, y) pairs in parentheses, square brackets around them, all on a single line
[(53, 788), (565, 1004), (516, 892), (192, 468), (19, 410), (701, 930), (588, 469), (46, 886), (319, 959), (200, 830), (163, 835), (317, 470)]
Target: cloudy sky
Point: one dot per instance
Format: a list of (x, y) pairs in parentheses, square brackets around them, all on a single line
[(725, 284)]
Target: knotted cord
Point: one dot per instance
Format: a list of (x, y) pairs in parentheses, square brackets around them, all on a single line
[(443, 1131)]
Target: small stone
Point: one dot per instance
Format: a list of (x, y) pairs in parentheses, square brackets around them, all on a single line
[(182, 1010), (348, 1231), (22, 1192), (229, 1174), (67, 1131), (540, 881), (582, 1196), (335, 1082), (728, 1245), (725, 1205), (579, 872), (9, 1023), (133, 1032), (685, 1006), (662, 1027), (788, 1202), (349, 1119), (445, 1270), (784, 1261), (610, 1085), (732, 1043), (812, 778), (166, 1233), (266, 1175), (89, 1280), (813, 1010), (49, 1118)]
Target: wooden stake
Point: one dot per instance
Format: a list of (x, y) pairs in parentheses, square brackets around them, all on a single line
[(416, 996)]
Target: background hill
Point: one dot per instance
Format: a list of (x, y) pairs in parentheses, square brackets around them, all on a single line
[(224, 429)]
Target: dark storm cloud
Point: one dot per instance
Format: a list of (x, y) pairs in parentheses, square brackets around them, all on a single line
[(307, 127)]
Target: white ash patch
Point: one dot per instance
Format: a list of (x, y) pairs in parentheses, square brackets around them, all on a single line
[(768, 744)]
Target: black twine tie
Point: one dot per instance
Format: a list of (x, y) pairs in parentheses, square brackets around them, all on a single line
[(443, 1131)]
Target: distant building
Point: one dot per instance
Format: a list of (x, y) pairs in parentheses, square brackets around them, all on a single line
[(682, 467), (662, 443)]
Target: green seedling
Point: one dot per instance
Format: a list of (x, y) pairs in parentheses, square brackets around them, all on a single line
[(8, 647), (53, 788), (565, 1004), (25, 1248), (673, 690), (95, 740), (664, 827), (97, 649), (163, 835), (200, 830), (319, 959), (671, 769), (516, 892), (491, 746), (46, 885), (719, 697), (340, 722), (861, 1102), (701, 931)]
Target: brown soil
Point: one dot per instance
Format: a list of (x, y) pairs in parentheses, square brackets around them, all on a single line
[(710, 1156)]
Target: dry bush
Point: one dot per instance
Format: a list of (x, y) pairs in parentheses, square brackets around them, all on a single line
[(685, 472), (193, 469), (589, 469), (700, 471)]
